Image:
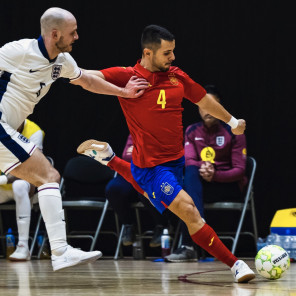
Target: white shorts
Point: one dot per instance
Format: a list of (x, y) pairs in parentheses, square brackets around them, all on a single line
[(14, 148)]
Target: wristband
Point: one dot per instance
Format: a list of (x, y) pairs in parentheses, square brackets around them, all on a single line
[(233, 122), (3, 180)]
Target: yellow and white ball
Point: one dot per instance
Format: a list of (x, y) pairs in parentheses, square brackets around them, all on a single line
[(272, 262)]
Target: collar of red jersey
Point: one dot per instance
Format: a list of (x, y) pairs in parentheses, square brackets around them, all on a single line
[(146, 73), (142, 71)]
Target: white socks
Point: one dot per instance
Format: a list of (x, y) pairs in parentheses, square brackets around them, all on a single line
[(21, 191), (50, 203)]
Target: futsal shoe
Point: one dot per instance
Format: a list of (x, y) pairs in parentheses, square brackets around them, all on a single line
[(182, 254), (242, 273), (21, 253), (100, 151), (73, 256), (129, 235)]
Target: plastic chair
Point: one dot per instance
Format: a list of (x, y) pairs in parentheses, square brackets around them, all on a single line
[(246, 205), (83, 188), (137, 206)]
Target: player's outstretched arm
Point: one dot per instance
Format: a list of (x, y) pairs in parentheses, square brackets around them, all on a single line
[(95, 82), (211, 106)]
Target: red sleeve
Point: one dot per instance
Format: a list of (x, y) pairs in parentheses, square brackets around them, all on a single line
[(192, 90), (118, 75)]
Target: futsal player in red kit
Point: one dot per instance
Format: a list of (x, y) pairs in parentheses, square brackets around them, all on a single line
[(155, 124)]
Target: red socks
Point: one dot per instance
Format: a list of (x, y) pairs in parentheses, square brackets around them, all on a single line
[(124, 169), (207, 238)]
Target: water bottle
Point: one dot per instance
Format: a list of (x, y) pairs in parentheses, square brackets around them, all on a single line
[(165, 243), (278, 241), (293, 248), (261, 242), (271, 239), (10, 243), (138, 253)]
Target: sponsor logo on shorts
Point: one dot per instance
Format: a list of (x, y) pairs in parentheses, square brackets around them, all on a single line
[(167, 188), (23, 138), (56, 71)]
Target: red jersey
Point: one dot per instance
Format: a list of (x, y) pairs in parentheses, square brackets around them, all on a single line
[(155, 118)]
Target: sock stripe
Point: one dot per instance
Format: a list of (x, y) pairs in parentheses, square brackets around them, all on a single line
[(48, 188)]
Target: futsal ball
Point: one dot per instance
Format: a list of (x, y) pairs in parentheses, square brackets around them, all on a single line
[(272, 261)]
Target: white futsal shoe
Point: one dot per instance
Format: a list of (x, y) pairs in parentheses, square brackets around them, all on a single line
[(100, 151), (73, 256), (242, 273), (21, 253)]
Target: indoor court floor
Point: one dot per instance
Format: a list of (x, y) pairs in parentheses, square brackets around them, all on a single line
[(134, 277)]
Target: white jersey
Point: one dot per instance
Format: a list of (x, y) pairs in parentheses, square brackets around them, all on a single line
[(26, 74)]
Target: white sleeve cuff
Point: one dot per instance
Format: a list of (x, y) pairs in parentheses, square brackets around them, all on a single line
[(233, 122)]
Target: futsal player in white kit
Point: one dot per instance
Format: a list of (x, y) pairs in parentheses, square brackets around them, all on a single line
[(28, 67)]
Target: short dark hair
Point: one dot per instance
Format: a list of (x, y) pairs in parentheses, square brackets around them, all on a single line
[(212, 89), (152, 35)]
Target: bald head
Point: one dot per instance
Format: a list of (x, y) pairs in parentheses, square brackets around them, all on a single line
[(55, 18)]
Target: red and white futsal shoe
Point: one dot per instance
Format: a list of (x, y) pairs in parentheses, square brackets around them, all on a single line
[(242, 273)]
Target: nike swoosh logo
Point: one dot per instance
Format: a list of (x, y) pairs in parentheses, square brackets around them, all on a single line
[(212, 240), (198, 139), (32, 71)]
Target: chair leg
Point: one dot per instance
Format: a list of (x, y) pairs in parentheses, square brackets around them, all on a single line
[(2, 233), (119, 242), (254, 220), (177, 233), (238, 231), (139, 228), (118, 231), (35, 234), (99, 225), (42, 246)]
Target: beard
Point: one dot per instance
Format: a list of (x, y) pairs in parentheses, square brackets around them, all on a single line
[(62, 47), (164, 69), (161, 68)]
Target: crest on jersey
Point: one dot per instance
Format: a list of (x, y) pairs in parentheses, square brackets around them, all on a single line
[(23, 138), (173, 79), (56, 71), (167, 188), (220, 141)]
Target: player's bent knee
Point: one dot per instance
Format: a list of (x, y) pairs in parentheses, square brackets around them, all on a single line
[(20, 186), (54, 176), (190, 213)]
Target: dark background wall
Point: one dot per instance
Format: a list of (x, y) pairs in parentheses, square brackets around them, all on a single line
[(244, 47)]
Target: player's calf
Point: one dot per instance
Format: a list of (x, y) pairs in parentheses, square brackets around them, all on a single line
[(100, 151)]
